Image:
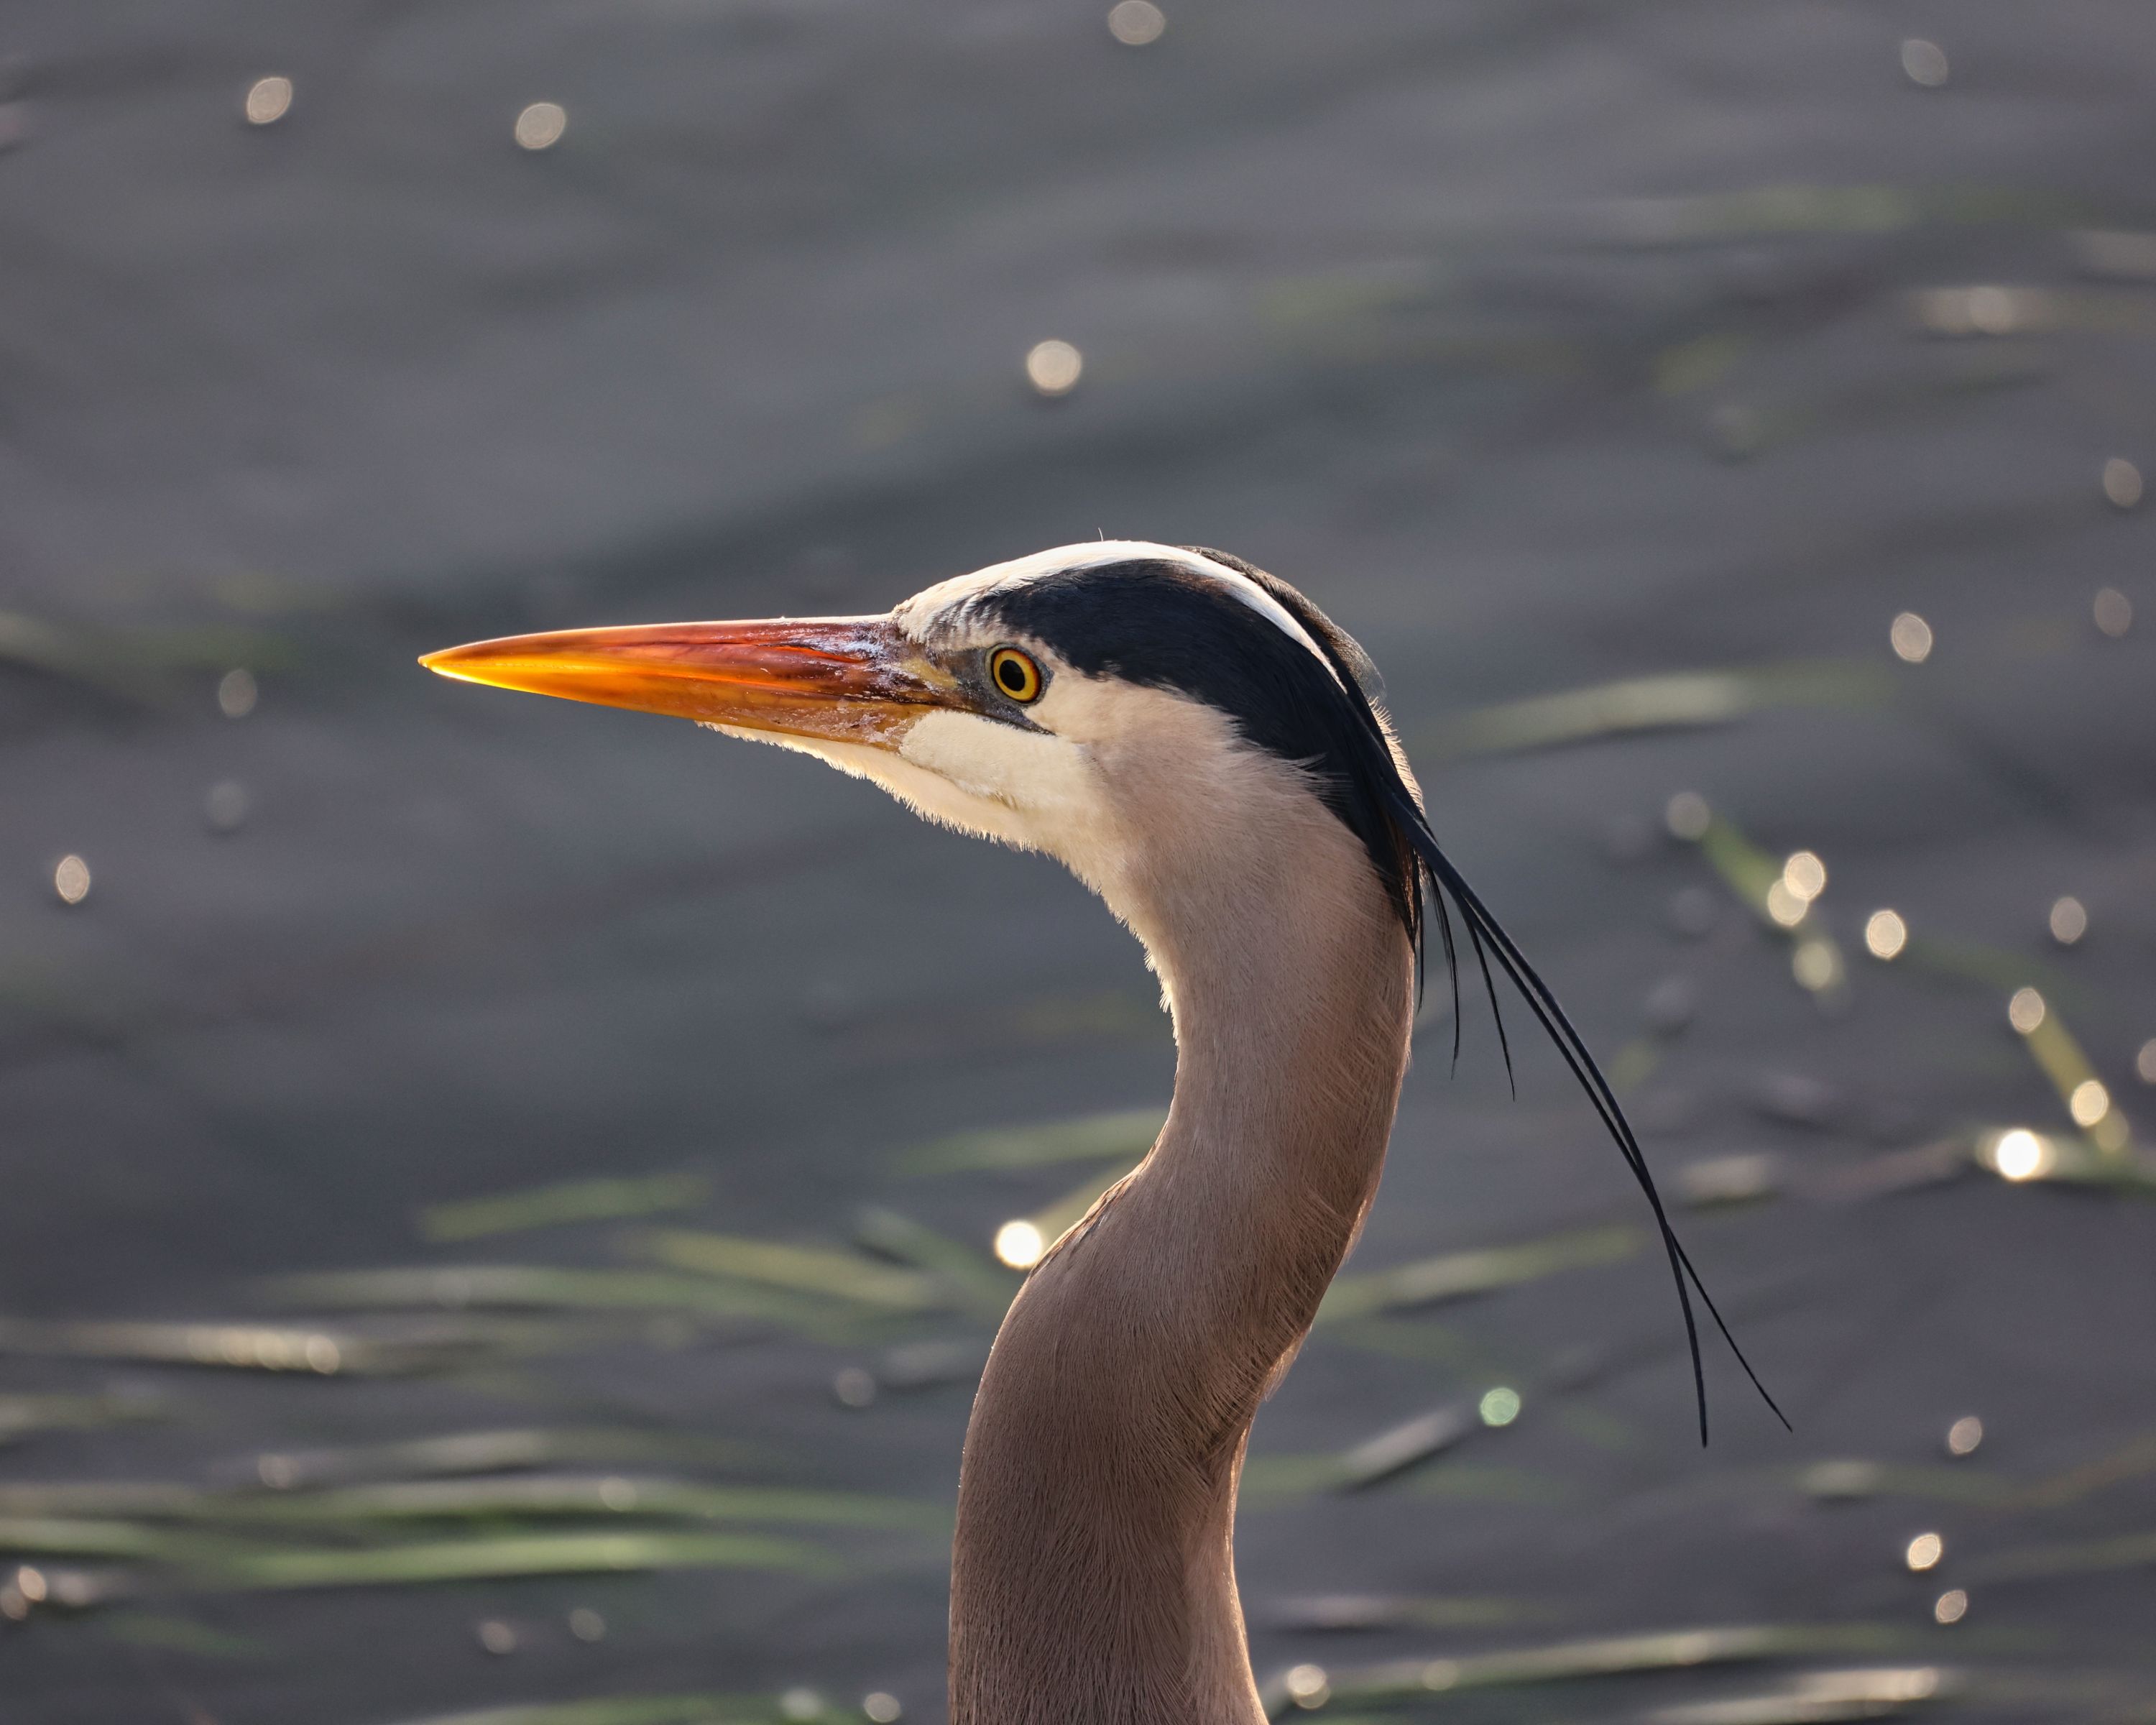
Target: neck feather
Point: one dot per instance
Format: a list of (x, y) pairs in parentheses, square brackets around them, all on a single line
[(1093, 1570)]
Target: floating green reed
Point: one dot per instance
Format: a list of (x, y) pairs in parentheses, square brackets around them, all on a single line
[(238, 1346), (1343, 1613), (976, 1283), (619, 1710), (1677, 700), (1569, 1661), (546, 1286), (1840, 1481), (823, 1270), (2084, 1557), (1873, 1692), (67, 1499), (168, 1633), (136, 664), (503, 1557), (463, 1452), (556, 1495), (58, 1536), (23, 1415), (1127, 1134), (1457, 1274), (570, 1201)]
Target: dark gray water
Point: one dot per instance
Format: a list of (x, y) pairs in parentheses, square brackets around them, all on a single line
[(1546, 345)]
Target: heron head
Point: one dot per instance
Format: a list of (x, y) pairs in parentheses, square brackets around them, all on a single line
[(1152, 715), (1116, 705)]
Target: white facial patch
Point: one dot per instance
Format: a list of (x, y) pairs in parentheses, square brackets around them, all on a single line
[(1046, 792), (949, 597), (1026, 789)]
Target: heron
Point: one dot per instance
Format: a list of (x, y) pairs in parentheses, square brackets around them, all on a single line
[(1207, 750)]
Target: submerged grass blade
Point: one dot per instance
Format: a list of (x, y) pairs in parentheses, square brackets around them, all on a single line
[(58, 1536), (821, 1271), (618, 1710), (1127, 1134), (97, 1499), (1845, 1481), (257, 1347), (1677, 700), (586, 1495), (570, 1201), (1340, 1614), (138, 664), (22, 1416), (1614, 1655), (1457, 1274), (981, 1285), (507, 1556), (2084, 1557), (1393, 1452), (478, 1452), (546, 1287), (1877, 1692), (165, 1633)]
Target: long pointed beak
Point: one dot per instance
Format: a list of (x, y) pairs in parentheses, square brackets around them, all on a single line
[(848, 678)]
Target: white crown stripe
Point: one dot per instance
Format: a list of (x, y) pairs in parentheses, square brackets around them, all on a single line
[(999, 577)]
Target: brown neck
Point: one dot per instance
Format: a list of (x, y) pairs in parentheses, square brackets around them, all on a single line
[(1093, 1572)]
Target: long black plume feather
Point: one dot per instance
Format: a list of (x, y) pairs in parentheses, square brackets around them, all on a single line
[(1208, 643), (1445, 877)]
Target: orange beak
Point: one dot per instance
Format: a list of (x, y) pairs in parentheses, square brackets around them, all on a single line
[(844, 679)]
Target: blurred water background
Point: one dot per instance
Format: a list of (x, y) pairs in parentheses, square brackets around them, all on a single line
[(497, 1198)]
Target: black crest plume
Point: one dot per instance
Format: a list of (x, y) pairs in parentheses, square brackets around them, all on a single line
[(1362, 778)]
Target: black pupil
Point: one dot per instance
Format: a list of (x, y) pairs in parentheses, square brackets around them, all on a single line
[(1012, 675)]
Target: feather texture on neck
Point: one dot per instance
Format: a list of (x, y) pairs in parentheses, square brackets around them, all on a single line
[(1093, 1570)]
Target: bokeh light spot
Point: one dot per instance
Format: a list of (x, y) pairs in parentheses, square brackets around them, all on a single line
[(1053, 367), (269, 99), (2069, 920), (1687, 816), (1805, 875), (587, 1624), (2025, 1011), (236, 694), (2022, 1155), (2090, 1102), (225, 807), (1019, 1245), (71, 880), (1924, 1552), (1500, 1406), (1911, 637), (541, 126), (1950, 1607), (2122, 483), (1965, 1434), (1816, 964), (1784, 906), (1135, 22), (1924, 63), (1885, 934)]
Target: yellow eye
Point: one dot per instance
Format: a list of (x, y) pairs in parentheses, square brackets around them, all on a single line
[(1015, 674)]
